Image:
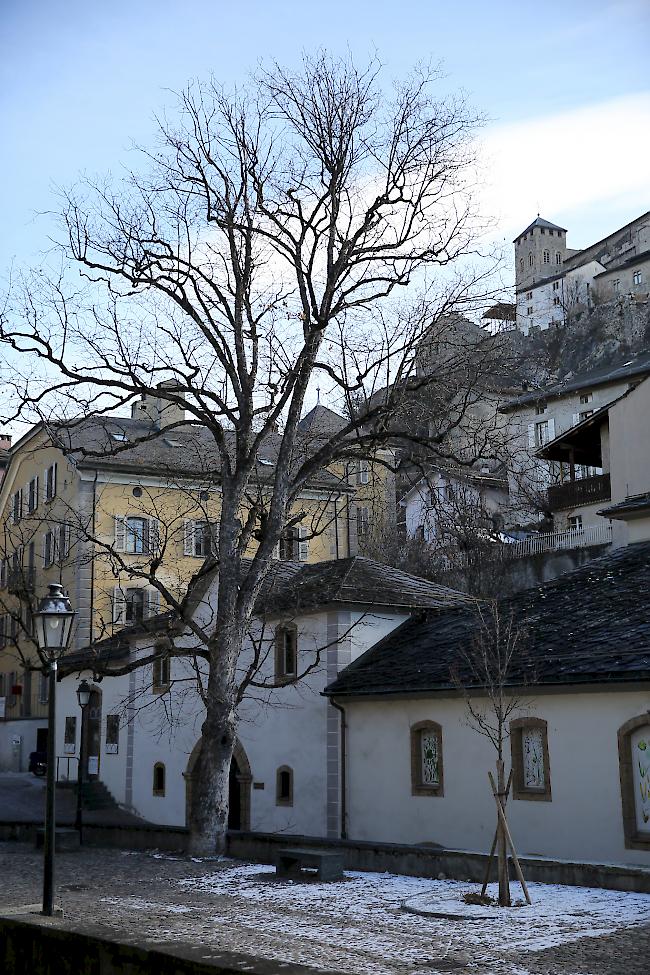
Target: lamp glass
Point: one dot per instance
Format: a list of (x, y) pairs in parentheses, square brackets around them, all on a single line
[(53, 621), (83, 693)]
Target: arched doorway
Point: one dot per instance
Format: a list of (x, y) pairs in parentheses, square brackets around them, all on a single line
[(92, 735), (240, 779)]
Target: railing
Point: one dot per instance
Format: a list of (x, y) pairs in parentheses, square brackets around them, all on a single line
[(572, 494), (560, 541)]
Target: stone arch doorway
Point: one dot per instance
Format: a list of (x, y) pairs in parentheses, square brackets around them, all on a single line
[(241, 778)]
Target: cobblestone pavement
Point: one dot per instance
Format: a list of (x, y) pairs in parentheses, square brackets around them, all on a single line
[(169, 900)]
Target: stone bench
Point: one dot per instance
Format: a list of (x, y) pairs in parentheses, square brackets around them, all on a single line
[(328, 865)]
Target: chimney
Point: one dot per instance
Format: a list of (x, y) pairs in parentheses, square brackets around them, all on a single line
[(5, 441), (157, 410)]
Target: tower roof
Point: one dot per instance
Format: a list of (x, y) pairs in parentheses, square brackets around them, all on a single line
[(539, 222)]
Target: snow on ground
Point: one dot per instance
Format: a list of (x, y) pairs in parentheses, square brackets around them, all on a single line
[(365, 913)]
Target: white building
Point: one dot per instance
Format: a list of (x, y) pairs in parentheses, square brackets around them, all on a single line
[(446, 498)]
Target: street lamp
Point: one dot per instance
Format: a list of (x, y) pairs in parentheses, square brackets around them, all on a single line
[(53, 624), (83, 696)]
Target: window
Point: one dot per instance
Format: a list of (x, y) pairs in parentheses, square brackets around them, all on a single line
[(3, 630), (586, 397), (137, 492), (136, 531), (530, 260), (363, 472), (293, 545), (63, 542), (529, 310), (134, 604), (558, 257), (159, 779), (161, 674), (50, 482), (556, 286), (70, 736), (547, 257), (556, 301), (529, 753), (636, 277), (48, 549), (540, 407), (541, 433), (616, 285), (363, 522), (286, 654), (112, 734), (4, 573), (135, 534), (585, 414), (575, 523), (284, 786), (521, 263), (426, 759), (32, 495), (201, 538), (634, 766), (529, 296), (17, 507)]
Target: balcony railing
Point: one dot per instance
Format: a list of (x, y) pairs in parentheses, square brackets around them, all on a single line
[(21, 580), (573, 494), (560, 541)]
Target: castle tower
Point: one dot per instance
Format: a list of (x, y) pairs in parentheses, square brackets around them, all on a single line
[(539, 253)]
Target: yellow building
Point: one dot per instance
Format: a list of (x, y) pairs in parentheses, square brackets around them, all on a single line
[(93, 502)]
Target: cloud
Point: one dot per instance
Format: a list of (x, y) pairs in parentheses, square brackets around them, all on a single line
[(573, 162)]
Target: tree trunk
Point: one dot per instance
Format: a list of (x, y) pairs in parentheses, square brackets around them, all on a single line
[(504, 880), (210, 785)]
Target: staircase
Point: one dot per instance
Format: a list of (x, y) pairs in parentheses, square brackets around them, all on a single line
[(94, 795)]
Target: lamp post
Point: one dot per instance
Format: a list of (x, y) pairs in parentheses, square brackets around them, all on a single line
[(53, 624), (83, 696)]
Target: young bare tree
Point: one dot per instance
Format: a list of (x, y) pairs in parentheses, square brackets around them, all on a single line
[(484, 675), (258, 253)]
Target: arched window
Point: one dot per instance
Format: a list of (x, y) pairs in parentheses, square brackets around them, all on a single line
[(547, 257), (558, 257), (286, 653), (521, 263), (159, 779), (284, 786), (530, 259), (426, 759), (634, 766)]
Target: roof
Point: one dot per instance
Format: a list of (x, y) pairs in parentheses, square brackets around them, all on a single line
[(638, 365), (631, 261), (120, 443), (583, 439), (321, 422), (539, 222), (633, 507), (588, 626), (503, 310)]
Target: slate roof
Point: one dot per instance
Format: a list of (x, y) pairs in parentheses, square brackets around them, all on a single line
[(539, 222), (638, 365), (321, 422), (135, 445), (588, 626), (637, 504)]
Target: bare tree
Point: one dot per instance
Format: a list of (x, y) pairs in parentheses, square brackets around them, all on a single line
[(484, 674), (257, 254)]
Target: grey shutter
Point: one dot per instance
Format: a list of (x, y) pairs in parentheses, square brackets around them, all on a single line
[(152, 603), (551, 428), (576, 419), (303, 544), (153, 537), (119, 605), (45, 497), (188, 537), (352, 530), (531, 434), (53, 480), (119, 540)]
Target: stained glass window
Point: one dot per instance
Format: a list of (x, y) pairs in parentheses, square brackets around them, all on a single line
[(532, 747), (640, 742), (430, 758)]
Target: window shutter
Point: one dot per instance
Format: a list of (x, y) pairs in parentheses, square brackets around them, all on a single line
[(119, 605), (551, 428), (303, 544), (531, 434), (188, 537), (36, 490), (152, 603), (53, 480), (119, 541), (214, 537), (353, 539), (153, 537), (45, 497), (44, 549)]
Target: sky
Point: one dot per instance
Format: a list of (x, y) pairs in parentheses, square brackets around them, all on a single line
[(565, 87)]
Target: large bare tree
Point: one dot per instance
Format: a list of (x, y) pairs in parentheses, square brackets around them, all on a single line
[(305, 231)]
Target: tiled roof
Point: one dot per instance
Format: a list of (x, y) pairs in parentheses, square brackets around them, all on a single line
[(588, 626), (638, 365), (539, 222)]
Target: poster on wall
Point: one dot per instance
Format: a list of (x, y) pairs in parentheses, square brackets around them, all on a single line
[(93, 765)]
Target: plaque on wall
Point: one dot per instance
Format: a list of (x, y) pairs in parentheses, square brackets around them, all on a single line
[(93, 764)]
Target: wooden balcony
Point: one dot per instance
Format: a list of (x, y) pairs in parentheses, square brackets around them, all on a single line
[(574, 494)]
